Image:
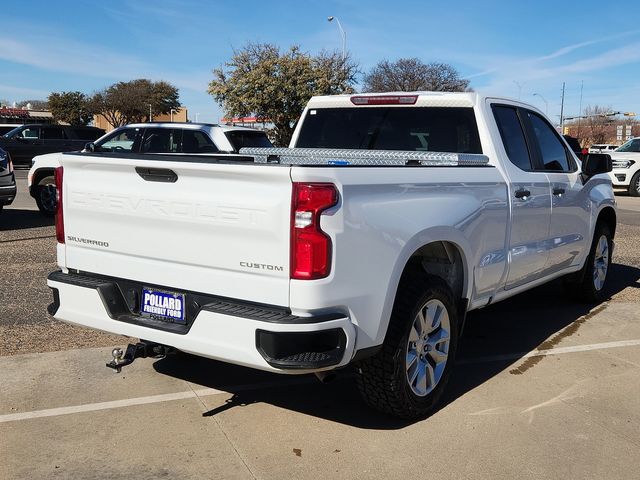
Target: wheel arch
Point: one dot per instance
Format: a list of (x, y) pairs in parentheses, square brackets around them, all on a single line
[(39, 175), (441, 251), (607, 215)]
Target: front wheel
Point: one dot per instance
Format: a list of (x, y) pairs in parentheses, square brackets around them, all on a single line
[(634, 186), (596, 269), (46, 196), (409, 375)]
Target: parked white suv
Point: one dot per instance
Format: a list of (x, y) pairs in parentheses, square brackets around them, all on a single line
[(602, 148), (367, 242), (626, 167), (174, 138)]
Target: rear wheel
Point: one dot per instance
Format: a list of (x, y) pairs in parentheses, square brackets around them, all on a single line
[(46, 196), (408, 376), (634, 186)]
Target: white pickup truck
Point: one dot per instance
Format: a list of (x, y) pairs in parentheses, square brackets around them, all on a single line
[(366, 242)]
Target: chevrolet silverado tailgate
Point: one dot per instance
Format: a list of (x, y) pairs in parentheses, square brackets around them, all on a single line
[(218, 228)]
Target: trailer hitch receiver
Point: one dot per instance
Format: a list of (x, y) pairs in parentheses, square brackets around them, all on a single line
[(139, 350)]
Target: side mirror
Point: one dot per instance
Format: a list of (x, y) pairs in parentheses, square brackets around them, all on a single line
[(596, 163), (89, 147)]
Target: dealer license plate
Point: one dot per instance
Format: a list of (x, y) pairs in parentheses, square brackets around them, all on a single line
[(160, 305)]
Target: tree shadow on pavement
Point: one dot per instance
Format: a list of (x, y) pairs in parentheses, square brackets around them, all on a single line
[(511, 328), (17, 219)]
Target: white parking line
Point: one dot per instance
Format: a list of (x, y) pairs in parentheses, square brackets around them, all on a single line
[(204, 392), (129, 402), (552, 351)]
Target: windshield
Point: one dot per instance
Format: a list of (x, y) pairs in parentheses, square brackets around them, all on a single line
[(13, 132), (424, 129), (246, 138), (631, 146)]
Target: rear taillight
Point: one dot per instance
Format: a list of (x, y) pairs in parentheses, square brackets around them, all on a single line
[(310, 246), (59, 214), (384, 99)]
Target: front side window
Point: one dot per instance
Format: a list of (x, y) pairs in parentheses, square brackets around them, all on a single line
[(423, 129), (29, 132), (120, 141), (630, 146), (554, 155), (513, 137)]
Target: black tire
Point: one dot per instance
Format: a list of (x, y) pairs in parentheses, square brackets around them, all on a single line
[(383, 379), (634, 185), (588, 289), (46, 196)]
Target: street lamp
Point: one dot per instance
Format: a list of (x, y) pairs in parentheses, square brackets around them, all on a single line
[(197, 115), (519, 85), (343, 34), (150, 118), (546, 104), (172, 112)]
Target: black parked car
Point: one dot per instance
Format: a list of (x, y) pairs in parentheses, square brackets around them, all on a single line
[(7, 180), (27, 141)]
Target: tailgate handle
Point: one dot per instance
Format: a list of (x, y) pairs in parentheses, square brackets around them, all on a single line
[(157, 174)]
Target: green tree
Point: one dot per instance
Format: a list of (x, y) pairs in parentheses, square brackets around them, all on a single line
[(411, 75), (73, 108), (275, 86), (128, 102)]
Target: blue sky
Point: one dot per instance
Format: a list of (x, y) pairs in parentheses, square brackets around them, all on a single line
[(86, 45)]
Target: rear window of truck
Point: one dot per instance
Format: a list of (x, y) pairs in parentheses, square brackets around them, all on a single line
[(420, 129)]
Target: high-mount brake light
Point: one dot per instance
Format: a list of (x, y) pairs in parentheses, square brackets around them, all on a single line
[(310, 246), (384, 100), (58, 173)]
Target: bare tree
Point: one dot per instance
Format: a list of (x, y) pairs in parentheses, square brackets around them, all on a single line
[(411, 74), (594, 125)]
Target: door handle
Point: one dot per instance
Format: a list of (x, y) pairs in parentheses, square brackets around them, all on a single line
[(558, 191), (157, 174), (522, 194)]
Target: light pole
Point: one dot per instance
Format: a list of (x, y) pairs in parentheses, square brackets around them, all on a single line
[(546, 104), (197, 115), (343, 34), (519, 85), (172, 112), (150, 118)]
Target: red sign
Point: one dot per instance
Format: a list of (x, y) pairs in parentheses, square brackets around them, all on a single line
[(14, 112)]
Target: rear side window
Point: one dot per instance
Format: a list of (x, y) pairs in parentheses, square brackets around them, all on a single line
[(194, 141), (513, 137), (126, 140), (88, 134), (53, 133), (242, 138), (161, 140), (554, 155), (426, 129)]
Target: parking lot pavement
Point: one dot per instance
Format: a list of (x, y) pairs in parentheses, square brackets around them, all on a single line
[(571, 412)]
